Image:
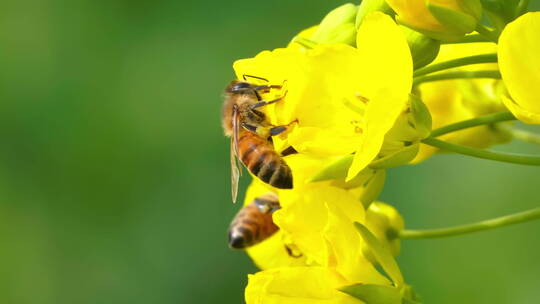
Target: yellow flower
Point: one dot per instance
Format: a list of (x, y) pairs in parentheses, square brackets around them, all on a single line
[(439, 19), (450, 101), (316, 222), (343, 99), (519, 46)]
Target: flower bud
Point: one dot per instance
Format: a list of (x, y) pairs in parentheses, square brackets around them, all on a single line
[(338, 26), (370, 6), (385, 222), (423, 49), (439, 19)]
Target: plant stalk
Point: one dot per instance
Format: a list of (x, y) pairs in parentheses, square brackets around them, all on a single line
[(515, 218)]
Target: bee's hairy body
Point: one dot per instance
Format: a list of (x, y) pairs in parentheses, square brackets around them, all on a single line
[(253, 223), (250, 135)]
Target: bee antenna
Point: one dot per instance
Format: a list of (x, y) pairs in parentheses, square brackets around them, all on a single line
[(255, 77)]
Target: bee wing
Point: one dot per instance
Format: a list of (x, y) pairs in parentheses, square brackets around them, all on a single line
[(235, 171)]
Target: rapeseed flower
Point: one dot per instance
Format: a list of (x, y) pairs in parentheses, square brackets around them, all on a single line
[(343, 99), (318, 250)]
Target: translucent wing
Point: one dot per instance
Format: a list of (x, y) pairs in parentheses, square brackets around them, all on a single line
[(235, 171)]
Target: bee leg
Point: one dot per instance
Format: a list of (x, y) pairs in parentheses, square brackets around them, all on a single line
[(277, 130), (249, 127), (263, 103), (280, 129), (263, 132), (267, 86), (289, 151), (264, 88)]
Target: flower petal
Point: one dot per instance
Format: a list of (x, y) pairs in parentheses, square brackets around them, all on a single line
[(272, 253), (304, 217), (519, 46), (346, 249), (385, 82), (297, 285)]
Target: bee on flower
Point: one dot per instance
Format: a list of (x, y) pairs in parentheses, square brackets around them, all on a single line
[(344, 99)]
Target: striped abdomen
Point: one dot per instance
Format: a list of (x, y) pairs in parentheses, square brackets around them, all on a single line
[(253, 223), (259, 156)]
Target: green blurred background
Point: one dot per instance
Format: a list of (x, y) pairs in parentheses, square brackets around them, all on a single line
[(114, 177)]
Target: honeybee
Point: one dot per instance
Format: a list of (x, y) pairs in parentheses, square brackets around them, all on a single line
[(251, 133), (253, 223)]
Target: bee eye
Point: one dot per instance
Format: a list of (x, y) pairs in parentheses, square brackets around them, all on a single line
[(240, 86)]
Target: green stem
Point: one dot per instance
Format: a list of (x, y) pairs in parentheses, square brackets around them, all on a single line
[(520, 134), (484, 58), (469, 39), (457, 75), (482, 120), (489, 34), (515, 218), (484, 154)]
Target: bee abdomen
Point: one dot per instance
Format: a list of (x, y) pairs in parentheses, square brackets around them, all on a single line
[(263, 161), (250, 227)]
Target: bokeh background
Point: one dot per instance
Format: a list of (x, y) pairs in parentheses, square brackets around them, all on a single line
[(114, 177)]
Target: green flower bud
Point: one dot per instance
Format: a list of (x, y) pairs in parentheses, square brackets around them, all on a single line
[(370, 6), (337, 26), (423, 49)]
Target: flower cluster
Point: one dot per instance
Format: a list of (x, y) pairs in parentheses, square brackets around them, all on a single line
[(368, 89)]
